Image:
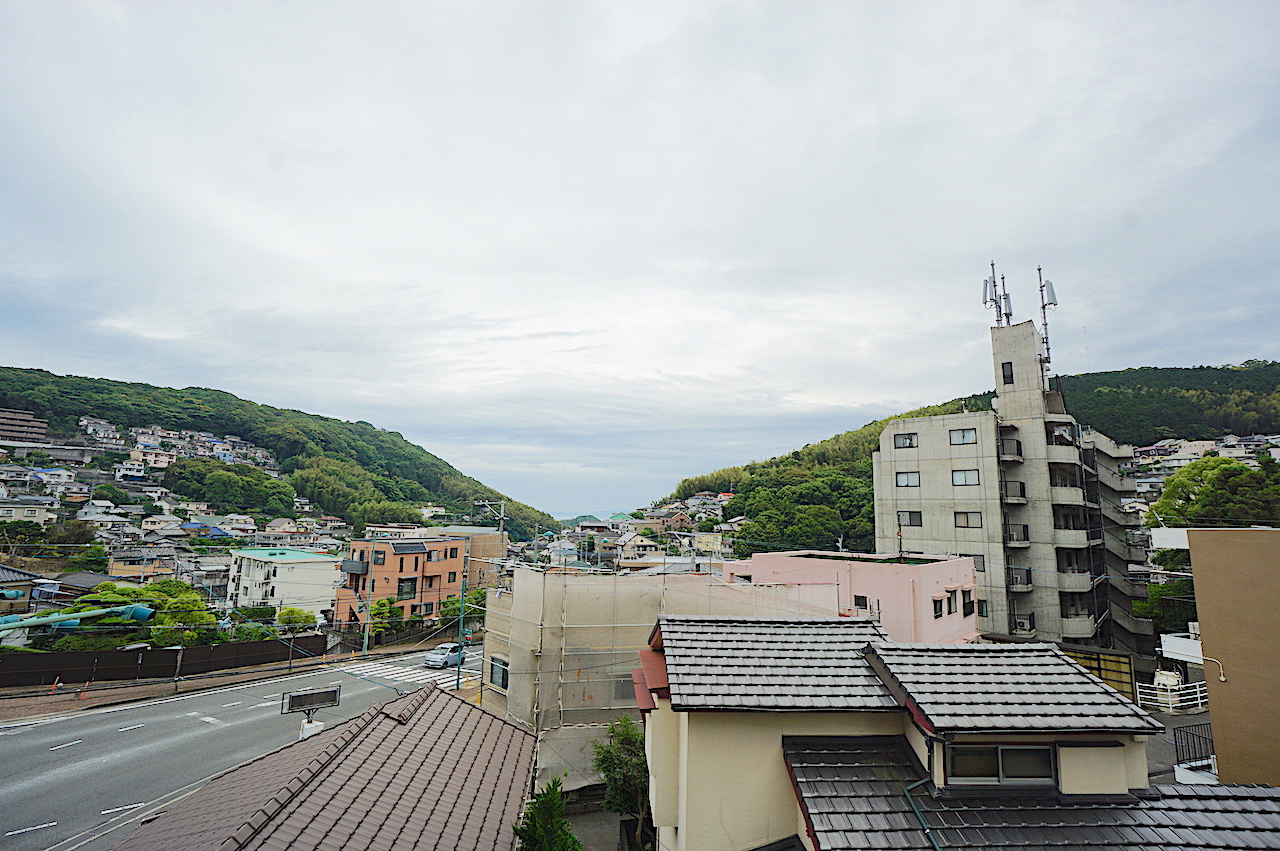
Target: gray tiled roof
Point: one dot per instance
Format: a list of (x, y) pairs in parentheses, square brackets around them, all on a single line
[(852, 791), (426, 771), (976, 687), (771, 663), (13, 574)]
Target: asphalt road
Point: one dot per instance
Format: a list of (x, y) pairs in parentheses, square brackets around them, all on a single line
[(83, 781)]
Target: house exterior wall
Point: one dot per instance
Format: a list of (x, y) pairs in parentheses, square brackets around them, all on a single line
[(901, 595), (1053, 544), (1237, 575)]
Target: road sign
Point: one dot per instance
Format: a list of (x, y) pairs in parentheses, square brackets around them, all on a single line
[(309, 700)]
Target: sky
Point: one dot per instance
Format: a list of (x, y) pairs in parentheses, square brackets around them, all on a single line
[(584, 250)]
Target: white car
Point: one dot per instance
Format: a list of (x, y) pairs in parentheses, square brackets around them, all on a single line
[(444, 656)]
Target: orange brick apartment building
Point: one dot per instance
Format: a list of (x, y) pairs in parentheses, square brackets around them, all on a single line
[(419, 573)]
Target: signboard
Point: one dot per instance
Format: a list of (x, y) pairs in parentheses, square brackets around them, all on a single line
[(309, 700)]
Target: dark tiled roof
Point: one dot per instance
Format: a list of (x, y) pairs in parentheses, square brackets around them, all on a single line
[(13, 574), (852, 793), (426, 771), (1007, 687), (771, 663)]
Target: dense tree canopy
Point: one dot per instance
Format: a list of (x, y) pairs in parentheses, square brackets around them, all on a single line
[(1219, 491)]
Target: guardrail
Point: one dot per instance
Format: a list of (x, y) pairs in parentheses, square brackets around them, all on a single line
[(1190, 697)]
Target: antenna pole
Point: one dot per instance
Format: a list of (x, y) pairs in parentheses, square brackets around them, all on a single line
[(1006, 305)]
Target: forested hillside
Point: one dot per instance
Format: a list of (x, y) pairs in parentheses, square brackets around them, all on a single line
[(821, 493), (346, 468)]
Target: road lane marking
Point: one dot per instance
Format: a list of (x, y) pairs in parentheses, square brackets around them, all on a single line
[(134, 727), (265, 703), (237, 703), (120, 809), (336, 682), (206, 719), (269, 696), (66, 745), (26, 829)]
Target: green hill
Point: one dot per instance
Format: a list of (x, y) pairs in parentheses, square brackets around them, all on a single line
[(821, 494), (352, 469)]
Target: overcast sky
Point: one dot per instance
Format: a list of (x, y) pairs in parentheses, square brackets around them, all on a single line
[(582, 250)]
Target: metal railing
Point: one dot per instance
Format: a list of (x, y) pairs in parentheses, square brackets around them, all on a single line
[(1010, 446), (1193, 745), (1190, 697)]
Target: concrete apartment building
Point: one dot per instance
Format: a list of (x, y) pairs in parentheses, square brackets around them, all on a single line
[(22, 426), (1032, 496), (418, 573), (913, 598), (277, 576)]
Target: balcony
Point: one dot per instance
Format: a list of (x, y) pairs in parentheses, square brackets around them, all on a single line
[(1174, 699), (1009, 449), (1017, 535), (1075, 582), (1071, 537), (1017, 578), (1013, 493), (1066, 495), (1023, 625), (1079, 626), (1194, 757), (355, 566), (1058, 454)]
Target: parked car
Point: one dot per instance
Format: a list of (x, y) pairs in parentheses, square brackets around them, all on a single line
[(444, 656)]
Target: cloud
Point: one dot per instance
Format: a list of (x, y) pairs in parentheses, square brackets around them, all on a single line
[(583, 250)]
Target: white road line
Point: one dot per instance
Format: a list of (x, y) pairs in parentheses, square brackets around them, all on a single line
[(134, 727), (336, 682), (206, 719), (120, 809), (237, 703), (67, 745), (26, 829), (265, 703), (269, 696)]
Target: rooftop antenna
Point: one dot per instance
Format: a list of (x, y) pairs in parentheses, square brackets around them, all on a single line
[(1048, 299), (991, 294)]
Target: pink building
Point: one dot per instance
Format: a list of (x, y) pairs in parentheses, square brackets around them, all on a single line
[(917, 598)]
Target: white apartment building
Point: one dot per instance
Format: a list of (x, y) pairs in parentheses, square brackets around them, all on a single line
[(278, 576), (1031, 495)]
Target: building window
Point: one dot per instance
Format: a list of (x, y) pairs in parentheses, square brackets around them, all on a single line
[(407, 589), (453, 552), (431, 581), (961, 436), (968, 519), (428, 608), (982, 609), (910, 518), (979, 561), (860, 601), (1023, 765), (1006, 371), (453, 576), (909, 480), (909, 440), (937, 608), (379, 557), (966, 599), (499, 672), (402, 564), (961, 478), (951, 602)]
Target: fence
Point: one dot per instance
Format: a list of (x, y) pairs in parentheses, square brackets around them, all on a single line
[(1191, 697), (79, 666), (1193, 746)]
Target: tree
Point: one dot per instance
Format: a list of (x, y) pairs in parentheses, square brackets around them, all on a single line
[(620, 760), (111, 494), (93, 557), (386, 616), (475, 605), (295, 620), (20, 537), (544, 827)]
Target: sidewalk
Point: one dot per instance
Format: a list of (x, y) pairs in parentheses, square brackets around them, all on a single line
[(23, 702)]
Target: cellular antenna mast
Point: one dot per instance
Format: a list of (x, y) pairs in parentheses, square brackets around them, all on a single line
[(1048, 299), (991, 294)]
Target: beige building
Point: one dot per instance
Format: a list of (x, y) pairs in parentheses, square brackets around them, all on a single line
[(1031, 495), (757, 740)]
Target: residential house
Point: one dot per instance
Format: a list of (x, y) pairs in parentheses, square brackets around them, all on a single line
[(17, 582), (153, 456), (632, 545), (20, 510), (160, 521), (395, 530), (914, 598), (130, 471), (1027, 492), (144, 563), (278, 576), (395, 778), (756, 738), (417, 573)]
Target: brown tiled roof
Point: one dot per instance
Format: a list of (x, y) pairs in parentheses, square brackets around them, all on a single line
[(426, 771)]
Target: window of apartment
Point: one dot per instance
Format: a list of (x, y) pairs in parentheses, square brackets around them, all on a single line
[(907, 440), (29, 512), (499, 672), (402, 564), (909, 480), (431, 581), (982, 609), (407, 589), (961, 478), (951, 602), (910, 518), (961, 436), (453, 576), (453, 552), (415, 562), (966, 600), (937, 608), (968, 519), (1006, 371), (860, 601), (428, 608), (979, 561), (379, 557), (1023, 765)]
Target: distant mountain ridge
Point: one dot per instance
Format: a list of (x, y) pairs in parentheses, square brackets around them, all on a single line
[(332, 462), (821, 493)]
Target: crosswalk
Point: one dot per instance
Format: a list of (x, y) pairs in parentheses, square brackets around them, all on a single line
[(443, 677)]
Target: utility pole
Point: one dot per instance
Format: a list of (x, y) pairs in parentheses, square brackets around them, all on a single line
[(462, 611)]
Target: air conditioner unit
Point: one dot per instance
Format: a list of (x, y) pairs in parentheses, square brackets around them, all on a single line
[(1022, 624)]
